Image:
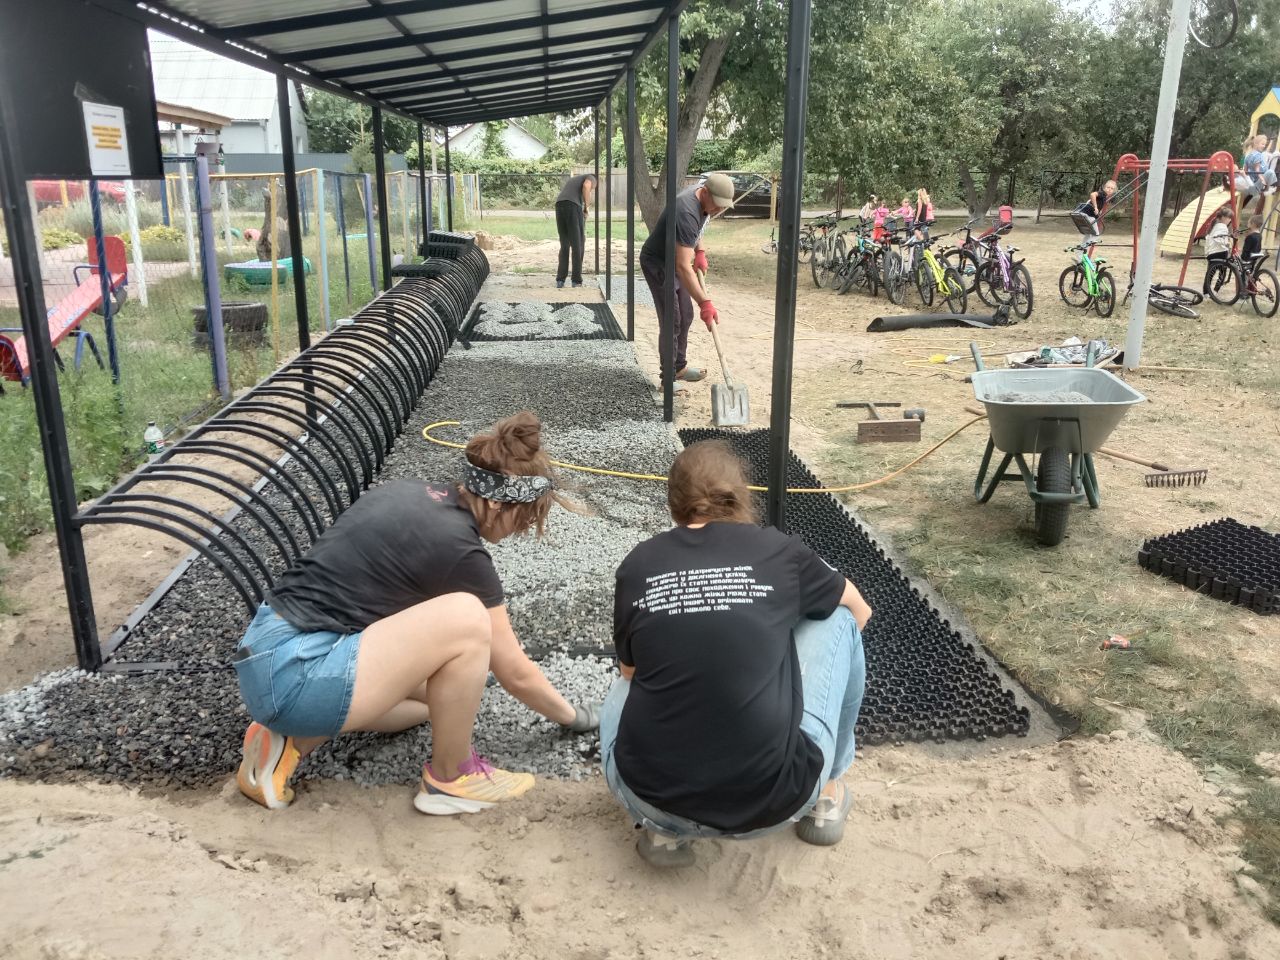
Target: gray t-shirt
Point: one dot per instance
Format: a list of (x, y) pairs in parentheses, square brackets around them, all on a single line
[(690, 221), (572, 189)]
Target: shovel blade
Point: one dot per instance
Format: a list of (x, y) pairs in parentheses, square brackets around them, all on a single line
[(730, 406)]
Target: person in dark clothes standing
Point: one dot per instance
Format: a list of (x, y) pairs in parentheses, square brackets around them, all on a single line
[(394, 616), (742, 673), (693, 208), (571, 211)]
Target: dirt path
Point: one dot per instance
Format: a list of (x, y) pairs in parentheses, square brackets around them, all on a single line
[(1098, 849)]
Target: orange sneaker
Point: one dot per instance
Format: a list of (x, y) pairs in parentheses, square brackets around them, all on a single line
[(270, 761), (478, 786)]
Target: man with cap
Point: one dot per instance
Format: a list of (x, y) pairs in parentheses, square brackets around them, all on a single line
[(571, 208), (693, 208)]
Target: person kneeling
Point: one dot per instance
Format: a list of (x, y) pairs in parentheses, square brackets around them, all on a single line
[(742, 674), (395, 615)]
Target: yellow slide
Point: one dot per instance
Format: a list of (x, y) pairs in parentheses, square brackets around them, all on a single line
[(1175, 238)]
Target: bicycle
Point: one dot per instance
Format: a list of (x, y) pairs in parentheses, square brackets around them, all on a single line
[(1234, 277), (888, 262), (771, 245), (859, 268), (1087, 282), (932, 276), (1170, 298), (829, 252), (970, 255), (1002, 282), (809, 236)]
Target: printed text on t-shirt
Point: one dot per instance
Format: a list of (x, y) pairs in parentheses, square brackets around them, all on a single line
[(711, 589)]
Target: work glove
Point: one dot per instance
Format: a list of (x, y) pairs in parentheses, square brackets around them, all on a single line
[(700, 261), (586, 717), (709, 313)]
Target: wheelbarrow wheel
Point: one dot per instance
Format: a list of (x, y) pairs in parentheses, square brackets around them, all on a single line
[(1053, 475)]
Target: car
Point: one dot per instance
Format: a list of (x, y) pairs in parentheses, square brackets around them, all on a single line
[(750, 192)]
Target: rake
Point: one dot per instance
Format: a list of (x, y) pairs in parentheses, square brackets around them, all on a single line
[(1166, 477)]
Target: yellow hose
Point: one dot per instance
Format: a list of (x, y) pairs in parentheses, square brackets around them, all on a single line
[(598, 471)]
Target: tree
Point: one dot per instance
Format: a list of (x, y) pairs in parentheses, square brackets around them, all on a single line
[(492, 146), (336, 124)]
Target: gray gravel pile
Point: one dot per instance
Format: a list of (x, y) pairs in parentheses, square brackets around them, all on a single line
[(539, 321), (185, 728), (1048, 396)]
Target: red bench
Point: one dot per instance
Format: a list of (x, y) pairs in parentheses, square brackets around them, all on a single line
[(65, 317)]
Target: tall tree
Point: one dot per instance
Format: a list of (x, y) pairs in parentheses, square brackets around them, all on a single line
[(336, 124)]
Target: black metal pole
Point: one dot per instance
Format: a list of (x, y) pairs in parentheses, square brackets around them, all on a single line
[(422, 191), (784, 306), (631, 207), (667, 345), (44, 393), (291, 212), (104, 281), (608, 197), (595, 159), (448, 183), (384, 211)]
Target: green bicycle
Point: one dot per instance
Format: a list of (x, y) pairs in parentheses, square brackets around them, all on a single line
[(1087, 282), (934, 279)]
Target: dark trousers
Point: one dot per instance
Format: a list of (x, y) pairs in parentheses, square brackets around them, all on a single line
[(654, 274), (1211, 259), (571, 225)]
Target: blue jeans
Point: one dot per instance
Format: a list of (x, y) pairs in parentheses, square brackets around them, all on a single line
[(833, 672)]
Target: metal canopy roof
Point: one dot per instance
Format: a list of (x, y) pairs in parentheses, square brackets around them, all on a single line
[(446, 62)]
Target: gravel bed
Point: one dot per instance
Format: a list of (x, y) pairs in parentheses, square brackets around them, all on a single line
[(1047, 396), (184, 728)]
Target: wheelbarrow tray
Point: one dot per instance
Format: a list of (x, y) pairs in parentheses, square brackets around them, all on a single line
[(1027, 427)]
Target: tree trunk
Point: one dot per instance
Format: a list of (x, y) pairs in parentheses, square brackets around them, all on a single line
[(978, 206), (688, 122), (970, 190)]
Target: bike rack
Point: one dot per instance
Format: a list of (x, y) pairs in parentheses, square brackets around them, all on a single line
[(304, 443)]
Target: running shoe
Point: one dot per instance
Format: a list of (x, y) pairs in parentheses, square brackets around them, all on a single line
[(478, 786), (269, 763), (823, 826)]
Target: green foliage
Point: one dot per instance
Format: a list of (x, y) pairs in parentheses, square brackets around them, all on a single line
[(336, 125), (159, 243), (491, 146), (77, 218), (55, 238)]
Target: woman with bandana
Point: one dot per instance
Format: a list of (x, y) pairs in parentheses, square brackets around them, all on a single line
[(396, 614)]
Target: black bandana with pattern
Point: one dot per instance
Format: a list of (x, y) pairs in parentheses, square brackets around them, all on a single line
[(504, 488)]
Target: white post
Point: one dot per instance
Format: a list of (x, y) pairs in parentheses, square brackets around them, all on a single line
[(1179, 16), (139, 278), (322, 229), (35, 223), (404, 213), (186, 207), (226, 216)]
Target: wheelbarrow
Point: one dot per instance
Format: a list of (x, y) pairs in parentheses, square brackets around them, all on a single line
[(1063, 434)]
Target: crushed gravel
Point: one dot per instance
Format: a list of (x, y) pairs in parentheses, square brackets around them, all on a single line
[(537, 321), (1047, 396)]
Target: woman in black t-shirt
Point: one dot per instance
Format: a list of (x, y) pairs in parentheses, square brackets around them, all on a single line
[(395, 614), (742, 669)]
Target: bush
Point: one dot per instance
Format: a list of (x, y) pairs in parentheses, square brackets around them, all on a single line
[(54, 238), (78, 218), (159, 243)]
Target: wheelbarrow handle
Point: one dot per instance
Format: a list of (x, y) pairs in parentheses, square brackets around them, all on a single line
[(977, 355)]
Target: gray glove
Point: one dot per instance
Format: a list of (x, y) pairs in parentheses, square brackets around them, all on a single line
[(586, 717)]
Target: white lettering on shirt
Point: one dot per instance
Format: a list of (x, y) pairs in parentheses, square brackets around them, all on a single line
[(706, 590)]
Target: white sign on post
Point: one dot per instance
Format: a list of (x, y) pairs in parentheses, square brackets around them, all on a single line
[(108, 144)]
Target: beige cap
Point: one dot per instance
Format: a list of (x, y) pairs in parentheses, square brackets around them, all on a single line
[(721, 189)]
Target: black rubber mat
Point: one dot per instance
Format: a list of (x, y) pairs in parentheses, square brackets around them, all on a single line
[(608, 326), (1224, 559), (924, 682)]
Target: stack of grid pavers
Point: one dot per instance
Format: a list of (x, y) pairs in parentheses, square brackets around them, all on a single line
[(446, 244), (1225, 559)]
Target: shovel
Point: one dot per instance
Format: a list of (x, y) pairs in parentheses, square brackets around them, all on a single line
[(730, 402)]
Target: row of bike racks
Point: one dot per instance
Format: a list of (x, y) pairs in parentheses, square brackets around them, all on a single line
[(299, 448)]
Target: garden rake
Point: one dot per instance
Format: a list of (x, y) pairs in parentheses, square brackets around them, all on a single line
[(1166, 477)]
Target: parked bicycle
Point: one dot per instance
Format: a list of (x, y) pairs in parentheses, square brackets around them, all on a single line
[(860, 267), (1231, 279), (810, 233), (1088, 282), (770, 246), (970, 255), (1170, 298), (829, 251), (1003, 282), (933, 279), (890, 267)]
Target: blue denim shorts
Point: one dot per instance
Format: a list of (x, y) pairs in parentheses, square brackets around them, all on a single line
[(294, 683)]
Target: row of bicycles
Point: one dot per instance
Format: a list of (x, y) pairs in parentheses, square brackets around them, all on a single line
[(852, 253)]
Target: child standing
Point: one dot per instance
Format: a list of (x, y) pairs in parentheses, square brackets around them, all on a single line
[(1251, 252), (869, 208), (922, 214), (1217, 245)]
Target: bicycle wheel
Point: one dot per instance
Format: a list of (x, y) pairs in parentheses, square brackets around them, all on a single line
[(953, 291), (805, 252), (1222, 282), (1022, 298), (965, 264), (817, 258), (1072, 290), (1105, 301), (871, 274), (843, 278), (1266, 293), (1213, 22), (990, 286), (923, 278), (892, 278), (1174, 300)]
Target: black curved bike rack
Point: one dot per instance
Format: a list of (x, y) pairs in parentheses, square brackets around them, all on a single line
[(304, 443)]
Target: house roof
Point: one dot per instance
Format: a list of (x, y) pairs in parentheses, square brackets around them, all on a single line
[(205, 81), (511, 123), (446, 62)]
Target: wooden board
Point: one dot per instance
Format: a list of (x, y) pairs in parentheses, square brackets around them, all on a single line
[(888, 431)]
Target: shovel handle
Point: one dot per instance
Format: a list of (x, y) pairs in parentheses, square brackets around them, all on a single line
[(724, 367)]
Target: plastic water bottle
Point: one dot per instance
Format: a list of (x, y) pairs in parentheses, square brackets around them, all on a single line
[(153, 438)]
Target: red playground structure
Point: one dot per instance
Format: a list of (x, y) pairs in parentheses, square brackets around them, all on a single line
[(67, 315), (1221, 164)]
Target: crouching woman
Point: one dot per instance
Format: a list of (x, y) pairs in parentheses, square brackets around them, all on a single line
[(742, 673), (395, 615)]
